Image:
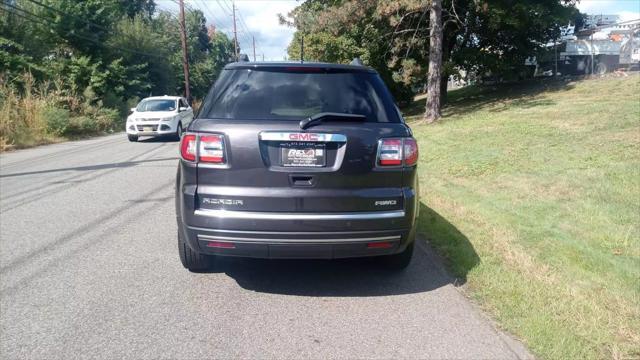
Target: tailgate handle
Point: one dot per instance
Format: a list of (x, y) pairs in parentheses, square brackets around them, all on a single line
[(301, 180)]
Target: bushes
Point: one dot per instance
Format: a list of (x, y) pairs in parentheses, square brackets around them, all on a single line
[(32, 115), (57, 120), (94, 121)]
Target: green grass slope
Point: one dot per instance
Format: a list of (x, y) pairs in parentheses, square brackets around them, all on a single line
[(532, 194)]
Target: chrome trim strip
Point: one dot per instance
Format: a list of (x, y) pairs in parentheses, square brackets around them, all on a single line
[(294, 241), (251, 215), (305, 137), (294, 233)]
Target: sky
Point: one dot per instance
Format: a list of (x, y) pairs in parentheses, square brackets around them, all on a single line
[(626, 9), (260, 19)]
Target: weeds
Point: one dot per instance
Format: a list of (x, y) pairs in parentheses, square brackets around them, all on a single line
[(36, 113)]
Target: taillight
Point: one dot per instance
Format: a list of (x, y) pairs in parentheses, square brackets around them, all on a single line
[(212, 149), (188, 147), (204, 148), (392, 152), (410, 151)]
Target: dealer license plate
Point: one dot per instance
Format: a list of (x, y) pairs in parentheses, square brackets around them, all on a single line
[(303, 155)]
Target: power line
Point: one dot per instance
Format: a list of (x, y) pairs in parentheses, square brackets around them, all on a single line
[(246, 35), (214, 18), (225, 4), (204, 5)]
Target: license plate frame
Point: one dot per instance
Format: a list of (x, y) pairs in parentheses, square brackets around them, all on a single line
[(303, 154), (147, 128)]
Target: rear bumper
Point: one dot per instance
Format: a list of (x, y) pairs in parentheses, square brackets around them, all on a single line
[(297, 245), (298, 235)]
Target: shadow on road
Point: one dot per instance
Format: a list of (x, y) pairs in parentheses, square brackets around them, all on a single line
[(355, 277), (335, 278), (159, 139), (123, 164)]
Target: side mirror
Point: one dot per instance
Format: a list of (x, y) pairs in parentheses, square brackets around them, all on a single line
[(133, 109), (181, 109)]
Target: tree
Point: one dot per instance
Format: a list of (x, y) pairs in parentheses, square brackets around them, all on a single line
[(207, 70), (432, 112), (478, 36)]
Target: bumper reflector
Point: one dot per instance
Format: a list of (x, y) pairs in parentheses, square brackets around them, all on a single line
[(380, 245), (220, 245)]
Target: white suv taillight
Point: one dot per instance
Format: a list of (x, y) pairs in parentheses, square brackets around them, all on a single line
[(204, 148), (395, 151), (212, 149)]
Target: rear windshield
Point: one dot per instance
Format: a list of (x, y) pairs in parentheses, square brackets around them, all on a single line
[(281, 94), (156, 105)]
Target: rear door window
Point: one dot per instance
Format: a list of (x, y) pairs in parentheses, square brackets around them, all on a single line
[(283, 94)]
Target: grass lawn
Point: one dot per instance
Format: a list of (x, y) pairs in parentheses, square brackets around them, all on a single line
[(532, 194)]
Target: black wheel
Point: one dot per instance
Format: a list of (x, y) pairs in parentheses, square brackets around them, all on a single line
[(601, 68), (179, 132), (190, 259), (398, 261), (132, 138)]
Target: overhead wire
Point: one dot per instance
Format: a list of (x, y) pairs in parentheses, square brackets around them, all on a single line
[(246, 28), (244, 34), (214, 19)]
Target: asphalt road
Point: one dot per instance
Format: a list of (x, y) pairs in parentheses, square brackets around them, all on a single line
[(89, 268)]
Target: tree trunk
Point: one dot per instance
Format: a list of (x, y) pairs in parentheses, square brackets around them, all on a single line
[(432, 112), (444, 84)]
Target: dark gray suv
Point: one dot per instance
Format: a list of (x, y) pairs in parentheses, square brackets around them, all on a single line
[(288, 160)]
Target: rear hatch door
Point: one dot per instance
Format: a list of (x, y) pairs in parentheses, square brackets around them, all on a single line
[(274, 165)]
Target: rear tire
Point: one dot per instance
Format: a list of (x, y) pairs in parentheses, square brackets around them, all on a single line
[(191, 260), (400, 261), (132, 138)]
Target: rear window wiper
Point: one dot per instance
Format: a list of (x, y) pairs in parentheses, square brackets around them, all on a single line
[(330, 116)]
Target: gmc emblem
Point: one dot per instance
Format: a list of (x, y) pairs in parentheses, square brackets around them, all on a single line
[(303, 137)]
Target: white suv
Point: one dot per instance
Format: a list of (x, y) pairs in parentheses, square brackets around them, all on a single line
[(159, 116)]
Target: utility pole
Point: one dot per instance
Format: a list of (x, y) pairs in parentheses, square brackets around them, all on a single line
[(262, 56), (591, 49), (185, 58), (302, 48), (254, 47), (555, 56), (235, 32)]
